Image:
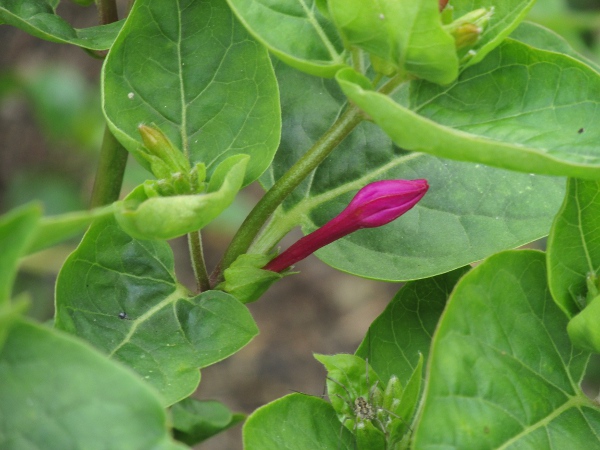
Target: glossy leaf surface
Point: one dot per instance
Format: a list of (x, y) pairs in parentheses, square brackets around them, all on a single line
[(120, 294), (191, 69), (39, 18), (502, 371), (59, 393), (469, 212)]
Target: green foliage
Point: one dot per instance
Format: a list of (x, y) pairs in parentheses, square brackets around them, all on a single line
[(120, 294), (502, 371), (192, 70), (75, 396), (484, 357), (39, 18), (195, 421)]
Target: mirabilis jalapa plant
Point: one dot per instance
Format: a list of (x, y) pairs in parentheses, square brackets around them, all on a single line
[(320, 101)]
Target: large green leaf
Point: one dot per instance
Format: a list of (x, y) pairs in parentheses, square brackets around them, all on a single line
[(502, 371), (192, 70), (521, 108), (574, 245), (470, 211), (296, 422), (403, 330), (39, 18), (120, 294), (295, 31), (58, 393), (17, 229)]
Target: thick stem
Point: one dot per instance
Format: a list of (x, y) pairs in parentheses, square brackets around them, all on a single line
[(287, 183), (107, 9), (110, 171), (197, 256)]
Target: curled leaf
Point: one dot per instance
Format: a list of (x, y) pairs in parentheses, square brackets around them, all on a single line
[(157, 217)]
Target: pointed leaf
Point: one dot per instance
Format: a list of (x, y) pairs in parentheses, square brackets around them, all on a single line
[(59, 393), (39, 18), (521, 108), (120, 294), (189, 68), (502, 371), (294, 31), (296, 422), (469, 212)]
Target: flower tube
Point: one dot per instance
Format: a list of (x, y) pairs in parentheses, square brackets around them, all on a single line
[(374, 205)]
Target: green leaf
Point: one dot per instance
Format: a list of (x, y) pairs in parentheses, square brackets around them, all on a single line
[(189, 68), (294, 31), (403, 331), (537, 36), (55, 229), (583, 328), (521, 108), (120, 294), (296, 422), (17, 228), (506, 17), (57, 393), (170, 217), (195, 421), (470, 211), (38, 18), (407, 34), (502, 372), (573, 250)]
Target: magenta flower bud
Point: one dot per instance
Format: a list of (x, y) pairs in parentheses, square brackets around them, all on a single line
[(374, 205)]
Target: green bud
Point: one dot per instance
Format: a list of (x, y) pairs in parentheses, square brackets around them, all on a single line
[(467, 29), (584, 328), (158, 144), (392, 394)]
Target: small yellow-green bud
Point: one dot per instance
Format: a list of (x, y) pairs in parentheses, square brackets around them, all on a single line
[(158, 144)]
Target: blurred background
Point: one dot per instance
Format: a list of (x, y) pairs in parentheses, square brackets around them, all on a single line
[(51, 127)]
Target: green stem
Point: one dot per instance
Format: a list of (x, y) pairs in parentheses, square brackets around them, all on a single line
[(197, 255), (113, 157), (110, 171), (287, 183)]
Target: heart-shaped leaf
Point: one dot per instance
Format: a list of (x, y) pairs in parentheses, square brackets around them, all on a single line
[(120, 294)]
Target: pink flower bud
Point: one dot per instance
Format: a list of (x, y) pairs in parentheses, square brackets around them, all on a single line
[(374, 205)]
